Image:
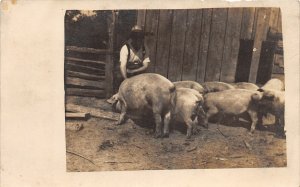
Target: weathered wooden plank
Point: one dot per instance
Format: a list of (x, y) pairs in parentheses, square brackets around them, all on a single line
[(279, 22), (141, 16), (254, 23), (232, 45), (203, 48), (96, 63), (152, 27), (85, 92), (274, 18), (262, 27), (265, 67), (216, 44), (94, 112), (84, 69), (77, 115), (109, 67), (192, 40), (85, 83), (177, 45), (247, 23), (163, 42), (244, 61), (84, 75), (88, 50)]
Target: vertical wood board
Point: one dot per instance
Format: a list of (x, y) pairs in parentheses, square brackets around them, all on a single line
[(216, 44), (163, 42), (177, 44), (192, 39)]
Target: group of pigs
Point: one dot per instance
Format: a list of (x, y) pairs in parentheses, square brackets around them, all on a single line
[(191, 103)]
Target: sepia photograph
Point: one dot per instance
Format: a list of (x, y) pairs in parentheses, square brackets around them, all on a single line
[(164, 89)]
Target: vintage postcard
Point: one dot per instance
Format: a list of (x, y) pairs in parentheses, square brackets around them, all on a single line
[(144, 93)]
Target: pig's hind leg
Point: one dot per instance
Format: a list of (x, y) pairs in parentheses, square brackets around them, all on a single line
[(253, 116), (167, 119), (157, 110), (123, 117)]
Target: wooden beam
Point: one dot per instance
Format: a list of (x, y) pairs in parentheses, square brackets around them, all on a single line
[(247, 23), (94, 62), (84, 83), (191, 48), (274, 18), (77, 115), (141, 16), (262, 27), (84, 75), (177, 45), (152, 26), (216, 44), (203, 48), (85, 92), (232, 45), (84, 69), (109, 68), (163, 42), (87, 50), (94, 112)]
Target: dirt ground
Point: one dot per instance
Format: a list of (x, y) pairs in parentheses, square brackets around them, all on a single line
[(106, 146)]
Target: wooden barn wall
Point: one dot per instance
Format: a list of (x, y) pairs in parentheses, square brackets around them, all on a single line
[(204, 44)]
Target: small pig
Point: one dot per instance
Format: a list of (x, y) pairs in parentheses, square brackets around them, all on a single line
[(186, 107), (143, 94), (245, 85), (233, 102), (189, 84), (273, 101), (273, 84), (216, 86)]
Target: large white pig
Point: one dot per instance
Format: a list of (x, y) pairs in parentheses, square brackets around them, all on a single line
[(216, 86), (189, 84), (233, 102), (146, 94), (273, 84), (186, 107), (245, 85)]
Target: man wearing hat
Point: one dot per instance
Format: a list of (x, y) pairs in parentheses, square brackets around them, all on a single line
[(134, 55)]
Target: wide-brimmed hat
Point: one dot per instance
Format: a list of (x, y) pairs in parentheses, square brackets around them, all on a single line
[(137, 31)]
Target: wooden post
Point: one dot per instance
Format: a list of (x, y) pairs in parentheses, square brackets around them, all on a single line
[(109, 67), (262, 26), (232, 45), (141, 17)]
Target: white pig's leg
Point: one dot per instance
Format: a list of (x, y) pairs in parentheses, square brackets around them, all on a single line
[(189, 124), (253, 116), (157, 108), (167, 119), (123, 117)]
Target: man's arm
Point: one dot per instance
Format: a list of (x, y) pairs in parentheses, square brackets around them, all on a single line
[(146, 62), (123, 61)]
